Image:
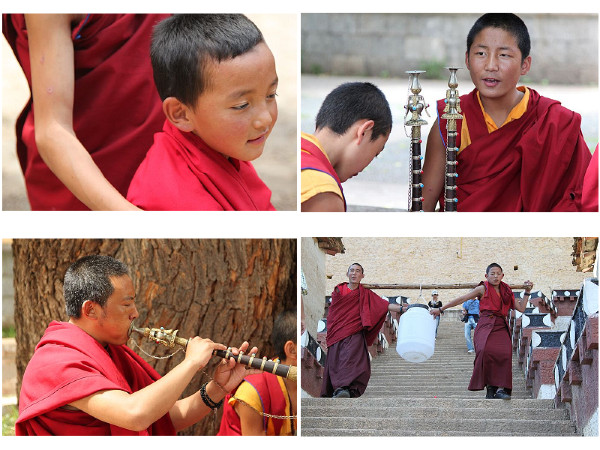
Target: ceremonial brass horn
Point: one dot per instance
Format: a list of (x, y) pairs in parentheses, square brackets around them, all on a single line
[(169, 338)]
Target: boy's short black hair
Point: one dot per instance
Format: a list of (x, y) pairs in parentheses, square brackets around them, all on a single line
[(183, 44), (351, 102), (89, 278), (284, 329), (491, 266), (508, 22)]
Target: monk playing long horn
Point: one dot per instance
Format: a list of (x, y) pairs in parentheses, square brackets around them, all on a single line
[(83, 380)]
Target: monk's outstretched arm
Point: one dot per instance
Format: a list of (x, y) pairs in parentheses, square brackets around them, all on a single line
[(434, 168), (53, 86), (477, 292), (521, 303)]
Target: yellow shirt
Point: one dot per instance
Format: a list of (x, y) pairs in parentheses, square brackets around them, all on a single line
[(247, 393), (519, 109), (314, 182)]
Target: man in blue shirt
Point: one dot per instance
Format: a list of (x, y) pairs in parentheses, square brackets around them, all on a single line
[(471, 316)]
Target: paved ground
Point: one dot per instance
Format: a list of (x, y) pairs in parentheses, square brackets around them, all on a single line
[(383, 185), (277, 166)]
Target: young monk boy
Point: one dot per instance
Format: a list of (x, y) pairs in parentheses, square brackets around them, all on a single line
[(352, 127), (217, 81), (518, 151), (493, 347)]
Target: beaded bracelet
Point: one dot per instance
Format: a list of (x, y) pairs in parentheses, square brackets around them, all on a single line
[(207, 400)]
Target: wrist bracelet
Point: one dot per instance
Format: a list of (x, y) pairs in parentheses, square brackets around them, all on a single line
[(207, 400), (441, 310)]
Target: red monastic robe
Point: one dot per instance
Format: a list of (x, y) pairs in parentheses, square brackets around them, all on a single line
[(272, 399), (355, 311), (116, 109), (590, 186), (354, 320), (182, 173), (493, 346), (316, 160), (68, 364), (534, 163)]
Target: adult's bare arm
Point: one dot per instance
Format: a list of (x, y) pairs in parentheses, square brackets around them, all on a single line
[(53, 81)]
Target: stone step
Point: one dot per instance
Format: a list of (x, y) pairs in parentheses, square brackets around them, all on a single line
[(442, 403), (353, 425), (425, 409), (432, 399)]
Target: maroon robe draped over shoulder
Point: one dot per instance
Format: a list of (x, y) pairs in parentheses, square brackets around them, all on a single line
[(312, 158), (493, 346), (534, 163), (116, 108), (354, 320), (68, 364), (182, 173)]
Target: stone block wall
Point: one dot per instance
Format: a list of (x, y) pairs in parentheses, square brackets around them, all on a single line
[(564, 46), (545, 261)]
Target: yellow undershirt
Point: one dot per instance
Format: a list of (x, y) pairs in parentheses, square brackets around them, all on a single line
[(519, 109), (247, 393), (314, 182)]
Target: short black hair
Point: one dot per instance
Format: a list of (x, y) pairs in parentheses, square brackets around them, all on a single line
[(356, 264), (508, 22), (491, 266), (284, 329), (88, 278), (183, 44), (355, 101)]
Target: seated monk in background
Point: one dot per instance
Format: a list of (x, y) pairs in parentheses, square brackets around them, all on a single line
[(263, 405)]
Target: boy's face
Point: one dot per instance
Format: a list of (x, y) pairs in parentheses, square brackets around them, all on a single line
[(360, 156), (237, 111), (494, 62), (494, 276)]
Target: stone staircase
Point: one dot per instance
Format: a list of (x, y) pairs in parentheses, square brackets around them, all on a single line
[(431, 399)]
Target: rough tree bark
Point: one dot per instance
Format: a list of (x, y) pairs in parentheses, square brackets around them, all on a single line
[(226, 290)]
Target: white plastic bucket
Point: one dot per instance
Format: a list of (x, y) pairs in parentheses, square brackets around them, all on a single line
[(416, 334)]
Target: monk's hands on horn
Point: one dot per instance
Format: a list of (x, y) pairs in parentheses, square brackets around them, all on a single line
[(229, 373), (199, 351)]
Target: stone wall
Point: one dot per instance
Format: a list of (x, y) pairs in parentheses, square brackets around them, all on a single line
[(313, 266), (564, 46), (545, 261)]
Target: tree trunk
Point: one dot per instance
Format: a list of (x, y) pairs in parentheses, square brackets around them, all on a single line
[(226, 290)]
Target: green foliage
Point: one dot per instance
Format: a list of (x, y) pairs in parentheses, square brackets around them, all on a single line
[(8, 421), (8, 331)]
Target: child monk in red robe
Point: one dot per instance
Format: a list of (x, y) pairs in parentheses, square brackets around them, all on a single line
[(83, 380), (355, 317), (94, 107), (263, 405), (352, 127), (217, 80), (518, 151), (492, 367)]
